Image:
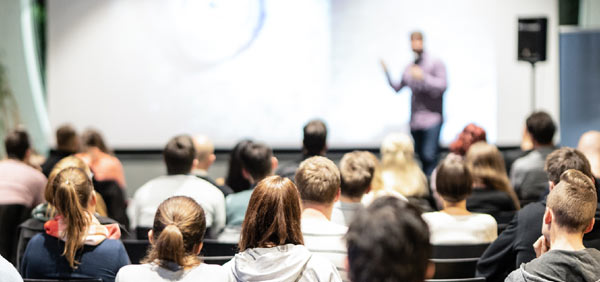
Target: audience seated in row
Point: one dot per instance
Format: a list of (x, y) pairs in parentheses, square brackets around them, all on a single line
[(318, 181), (454, 224), (514, 246), (356, 173), (527, 173), (272, 244), (99, 158), (235, 179), (180, 156), (492, 193), (67, 143), (561, 254), (176, 241), (75, 244), (22, 183), (314, 143), (205, 156)]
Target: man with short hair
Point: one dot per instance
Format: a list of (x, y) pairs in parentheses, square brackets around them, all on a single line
[(527, 173), (318, 181), (514, 245), (21, 183), (561, 255), (356, 171), (179, 156), (205, 156), (67, 143), (389, 241), (314, 143)]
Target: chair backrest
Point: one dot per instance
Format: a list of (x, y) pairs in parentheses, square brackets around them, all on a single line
[(141, 233), (64, 280), (136, 249), (214, 248), (455, 268), (11, 216), (476, 279), (458, 251), (220, 260)]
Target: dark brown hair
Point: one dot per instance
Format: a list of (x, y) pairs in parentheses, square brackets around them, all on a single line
[(179, 154), (453, 180), (315, 138), (71, 190), (541, 127), (318, 180), (273, 215), (256, 160), (179, 226), (573, 201), (66, 139), (356, 171), (564, 159), (93, 138), (16, 144)]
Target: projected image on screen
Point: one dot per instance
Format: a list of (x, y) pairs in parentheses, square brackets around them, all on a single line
[(143, 71)]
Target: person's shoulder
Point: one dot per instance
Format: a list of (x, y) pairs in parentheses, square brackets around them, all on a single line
[(111, 246), (322, 268), (38, 239), (484, 218), (133, 272), (215, 272)]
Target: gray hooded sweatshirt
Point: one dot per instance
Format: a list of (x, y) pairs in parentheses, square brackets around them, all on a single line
[(559, 265), (286, 263)]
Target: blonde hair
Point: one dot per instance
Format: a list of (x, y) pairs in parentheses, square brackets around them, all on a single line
[(399, 171), (179, 226), (72, 189), (487, 165), (318, 180)]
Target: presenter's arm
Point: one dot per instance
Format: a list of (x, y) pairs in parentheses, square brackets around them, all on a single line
[(434, 82), (396, 87)]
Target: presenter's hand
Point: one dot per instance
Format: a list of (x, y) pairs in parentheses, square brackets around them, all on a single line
[(417, 72), (541, 246), (383, 65)]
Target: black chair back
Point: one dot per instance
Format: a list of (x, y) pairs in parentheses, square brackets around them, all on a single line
[(136, 249), (11, 216), (455, 268), (214, 252), (458, 251), (115, 199), (476, 279), (64, 280), (141, 233)]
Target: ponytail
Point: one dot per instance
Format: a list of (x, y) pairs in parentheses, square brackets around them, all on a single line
[(170, 246), (72, 190)]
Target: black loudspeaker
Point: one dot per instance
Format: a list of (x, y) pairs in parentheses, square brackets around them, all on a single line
[(532, 39)]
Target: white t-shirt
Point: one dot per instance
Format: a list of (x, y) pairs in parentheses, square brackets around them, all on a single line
[(146, 200), (325, 238), (154, 273), (343, 213), (475, 228)]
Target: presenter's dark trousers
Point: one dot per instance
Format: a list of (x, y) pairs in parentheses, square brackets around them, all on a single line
[(427, 146)]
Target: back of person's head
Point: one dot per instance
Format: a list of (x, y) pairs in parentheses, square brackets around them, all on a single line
[(399, 170), (573, 201), (72, 190), (486, 165), (388, 241), (204, 149), (563, 159), (66, 162), (453, 180), (397, 149), (177, 232), (315, 138), (179, 155), (66, 139), (470, 135), (257, 160), (541, 127), (273, 215), (356, 170), (93, 138), (235, 178), (589, 145), (17, 144), (318, 180)]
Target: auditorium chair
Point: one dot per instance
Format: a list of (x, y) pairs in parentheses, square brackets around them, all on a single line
[(214, 252), (136, 249), (477, 279), (455, 268), (64, 280), (11, 216), (458, 251)]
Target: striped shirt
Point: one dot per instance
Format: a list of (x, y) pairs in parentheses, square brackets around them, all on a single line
[(326, 239)]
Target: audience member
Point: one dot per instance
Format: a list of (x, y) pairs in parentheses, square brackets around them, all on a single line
[(271, 245), (514, 245), (234, 179), (75, 244), (492, 193), (561, 255), (318, 181), (8, 271), (356, 171), (454, 224), (179, 155), (67, 143), (98, 157), (21, 183), (205, 156), (527, 173), (589, 145), (372, 256), (258, 162), (176, 240), (314, 143), (400, 173), (470, 135)]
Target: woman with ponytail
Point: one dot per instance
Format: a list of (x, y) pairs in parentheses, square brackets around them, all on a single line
[(75, 244), (176, 238)]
